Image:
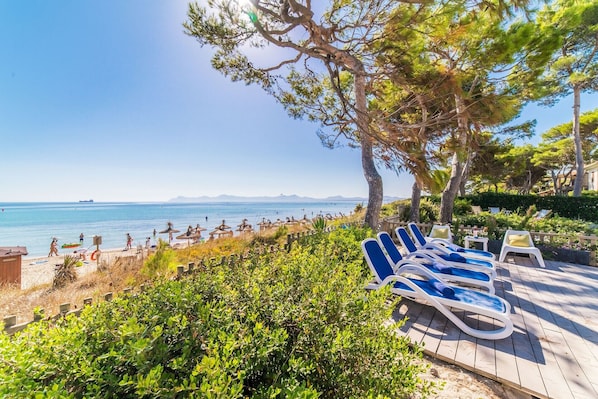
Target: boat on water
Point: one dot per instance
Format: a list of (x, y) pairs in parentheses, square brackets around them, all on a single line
[(89, 200), (71, 245)]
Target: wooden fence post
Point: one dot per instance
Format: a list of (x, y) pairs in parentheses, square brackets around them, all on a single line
[(64, 308), (10, 321)]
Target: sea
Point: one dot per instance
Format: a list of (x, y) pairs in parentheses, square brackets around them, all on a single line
[(34, 224)]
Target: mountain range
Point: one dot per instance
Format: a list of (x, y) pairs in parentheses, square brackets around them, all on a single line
[(279, 198)]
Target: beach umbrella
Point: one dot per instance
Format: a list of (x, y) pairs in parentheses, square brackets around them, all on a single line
[(244, 227), (221, 231), (190, 234), (170, 230), (223, 226)]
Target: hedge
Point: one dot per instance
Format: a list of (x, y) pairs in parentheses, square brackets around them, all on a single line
[(585, 207)]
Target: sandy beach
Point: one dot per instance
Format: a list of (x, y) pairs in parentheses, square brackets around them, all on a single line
[(39, 270)]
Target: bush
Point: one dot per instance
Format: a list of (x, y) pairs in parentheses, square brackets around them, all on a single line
[(65, 273), (295, 324), (160, 263), (584, 207)]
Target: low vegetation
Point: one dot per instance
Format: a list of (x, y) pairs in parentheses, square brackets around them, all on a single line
[(282, 324)]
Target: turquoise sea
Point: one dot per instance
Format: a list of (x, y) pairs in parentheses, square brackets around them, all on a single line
[(33, 225)]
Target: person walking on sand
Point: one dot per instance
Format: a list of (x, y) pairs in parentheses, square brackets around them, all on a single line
[(129, 241), (53, 248), (81, 237)]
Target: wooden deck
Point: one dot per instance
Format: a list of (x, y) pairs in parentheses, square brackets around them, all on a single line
[(553, 351)]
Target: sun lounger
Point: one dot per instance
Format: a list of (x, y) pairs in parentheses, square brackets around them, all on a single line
[(442, 269), (447, 248), (520, 241), (439, 255), (543, 213), (425, 287)]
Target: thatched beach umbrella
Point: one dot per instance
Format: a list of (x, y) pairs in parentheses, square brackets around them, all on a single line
[(221, 231), (190, 234), (170, 230), (265, 224), (245, 227)]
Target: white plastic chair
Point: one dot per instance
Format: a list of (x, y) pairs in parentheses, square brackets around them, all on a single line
[(520, 241)]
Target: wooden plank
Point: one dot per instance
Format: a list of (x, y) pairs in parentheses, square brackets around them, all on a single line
[(530, 378), (553, 351), (485, 358), (525, 341), (406, 310), (448, 347), (420, 324), (506, 363), (435, 332), (560, 370), (466, 349)]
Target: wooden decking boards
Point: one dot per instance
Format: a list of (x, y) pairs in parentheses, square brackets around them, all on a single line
[(553, 351)]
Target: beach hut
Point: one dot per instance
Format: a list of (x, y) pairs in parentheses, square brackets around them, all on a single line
[(10, 264)]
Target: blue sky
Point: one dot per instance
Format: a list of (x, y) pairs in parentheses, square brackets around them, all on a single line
[(110, 100)]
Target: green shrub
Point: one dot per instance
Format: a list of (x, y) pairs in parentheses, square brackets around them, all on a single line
[(584, 207), (65, 273), (461, 207), (296, 324), (160, 262), (319, 224)]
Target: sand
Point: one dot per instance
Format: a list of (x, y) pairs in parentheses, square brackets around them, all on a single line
[(40, 270)]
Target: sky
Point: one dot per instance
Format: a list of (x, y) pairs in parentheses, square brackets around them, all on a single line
[(110, 100)]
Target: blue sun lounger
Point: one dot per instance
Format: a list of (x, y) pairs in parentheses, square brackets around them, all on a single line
[(422, 242), (441, 269), (453, 258), (442, 296)]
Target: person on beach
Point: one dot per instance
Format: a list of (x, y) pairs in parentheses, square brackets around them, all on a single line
[(53, 248), (147, 242), (129, 241), (81, 237)]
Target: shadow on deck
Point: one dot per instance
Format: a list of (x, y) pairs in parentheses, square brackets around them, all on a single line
[(553, 351)]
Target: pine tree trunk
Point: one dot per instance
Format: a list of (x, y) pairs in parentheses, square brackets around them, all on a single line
[(375, 188), (449, 194), (578, 185), (416, 195)]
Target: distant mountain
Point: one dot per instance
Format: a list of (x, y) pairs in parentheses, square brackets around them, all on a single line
[(279, 198)]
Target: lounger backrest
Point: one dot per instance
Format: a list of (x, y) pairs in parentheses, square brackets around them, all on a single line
[(518, 238), (378, 262), (406, 239), (417, 233), (439, 231), (389, 246)]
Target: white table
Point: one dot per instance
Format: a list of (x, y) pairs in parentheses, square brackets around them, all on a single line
[(483, 240)]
